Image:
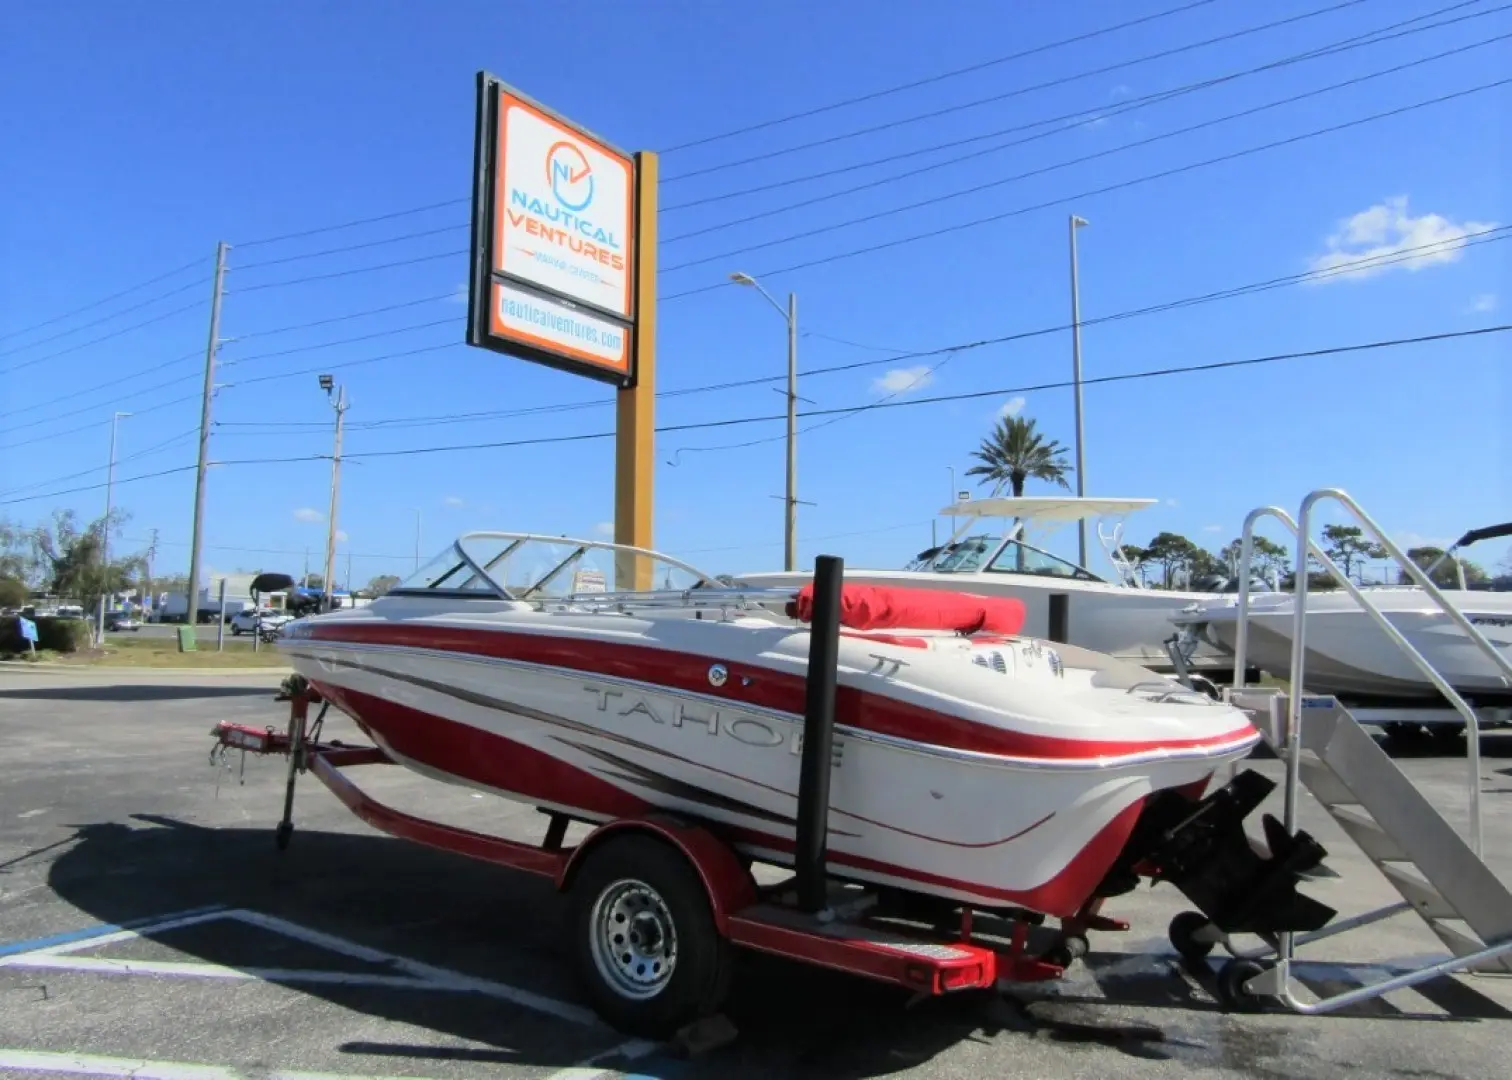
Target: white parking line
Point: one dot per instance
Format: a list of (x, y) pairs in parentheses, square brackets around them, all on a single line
[(142, 1069), (414, 974)]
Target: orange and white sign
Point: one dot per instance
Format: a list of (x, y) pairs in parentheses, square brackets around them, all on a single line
[(572, 332), (563, 218)]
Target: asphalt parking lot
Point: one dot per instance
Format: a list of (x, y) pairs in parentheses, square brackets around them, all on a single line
[(149, 928)]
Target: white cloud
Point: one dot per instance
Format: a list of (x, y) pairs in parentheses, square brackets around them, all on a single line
[(1172, 502), (1482, 303), (459, 294), (903, 380), (1011, 407), (1212, 528), (305, 513), (604, 528), (452, 500), (1386, 231), (341, 536)]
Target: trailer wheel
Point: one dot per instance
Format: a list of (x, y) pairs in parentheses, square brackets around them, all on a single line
[(645, 942), (1231, 993)]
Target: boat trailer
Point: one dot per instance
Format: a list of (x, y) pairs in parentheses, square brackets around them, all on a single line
[(660, 901)]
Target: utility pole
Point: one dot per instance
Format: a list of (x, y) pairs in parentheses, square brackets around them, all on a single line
[(790, 499), (147, 597), (340, 405), (191, 606), (790, 519), (417, 539), (105, 525), (1076, 382)]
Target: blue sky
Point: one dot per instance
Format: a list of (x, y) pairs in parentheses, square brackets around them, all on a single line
[(139, 135)]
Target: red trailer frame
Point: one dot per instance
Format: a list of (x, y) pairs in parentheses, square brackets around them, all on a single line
[(928, 962)]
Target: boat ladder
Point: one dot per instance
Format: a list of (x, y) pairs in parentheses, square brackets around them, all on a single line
[(1440, 875)]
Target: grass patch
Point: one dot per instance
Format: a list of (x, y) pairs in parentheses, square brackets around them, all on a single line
[(156, 652)]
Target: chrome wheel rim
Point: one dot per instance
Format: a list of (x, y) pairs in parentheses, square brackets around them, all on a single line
[(633, 939)]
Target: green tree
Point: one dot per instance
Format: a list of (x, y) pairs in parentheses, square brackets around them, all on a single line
[(72, 558), (17, 559), (13, 592), (1444, 576), (1268, 557), (382, 584), (1173, 553), (1017, 452), (1347, 546)]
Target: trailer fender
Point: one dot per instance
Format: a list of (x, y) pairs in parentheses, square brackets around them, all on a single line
[(725, 877)]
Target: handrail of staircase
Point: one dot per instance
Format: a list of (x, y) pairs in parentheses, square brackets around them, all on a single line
[(1294, 705), (1291, 738)]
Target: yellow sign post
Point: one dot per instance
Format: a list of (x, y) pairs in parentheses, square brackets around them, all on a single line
[(563, 273)]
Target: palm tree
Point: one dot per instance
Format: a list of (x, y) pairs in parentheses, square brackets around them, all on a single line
[(1016, 452)]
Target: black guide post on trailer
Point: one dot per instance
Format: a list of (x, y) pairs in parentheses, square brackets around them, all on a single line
[(818, 735)]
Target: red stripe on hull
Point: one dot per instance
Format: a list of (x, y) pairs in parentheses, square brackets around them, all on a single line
[(482, 757), (768, 689)]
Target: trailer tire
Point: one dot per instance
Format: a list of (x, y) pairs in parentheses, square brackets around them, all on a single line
[(644, 938)]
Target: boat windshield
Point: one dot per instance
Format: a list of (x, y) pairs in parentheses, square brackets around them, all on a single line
[(993, 555), (528, 566)]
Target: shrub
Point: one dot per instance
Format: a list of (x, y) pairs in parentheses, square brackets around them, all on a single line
[(58, 635)]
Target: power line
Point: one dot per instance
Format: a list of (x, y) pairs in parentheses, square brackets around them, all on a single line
[(941, 77), (1041, 171), (345, 273), (452, 321), (97, 303), (868, 407), (356, 247), (105, 385), (101, 340), (392, 215), (1057, 125), (1061, 201), (344, 318), (91, 408), (156, 448), (353, 223), (89, 427), (104, 318), (1353, 266), (1061, 81), (1135, 376)]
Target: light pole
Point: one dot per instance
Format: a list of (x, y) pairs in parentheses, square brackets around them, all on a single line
[(790, 500), (339, 403), (105, 525), (1076, 382)]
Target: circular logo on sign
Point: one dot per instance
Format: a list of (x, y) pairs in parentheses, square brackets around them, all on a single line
[(570, 177)]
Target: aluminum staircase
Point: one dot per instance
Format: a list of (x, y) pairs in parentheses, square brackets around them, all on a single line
[(1439, 874), (1424, 858)]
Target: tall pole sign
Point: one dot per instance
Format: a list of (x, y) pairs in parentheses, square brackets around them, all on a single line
[(563, 273)]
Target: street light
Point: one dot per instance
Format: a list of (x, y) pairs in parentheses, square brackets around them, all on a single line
[(339, 403), (1076, 381), (790, 500), (105, 527)]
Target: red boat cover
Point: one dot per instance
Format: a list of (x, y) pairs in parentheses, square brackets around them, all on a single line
[(883, 607)]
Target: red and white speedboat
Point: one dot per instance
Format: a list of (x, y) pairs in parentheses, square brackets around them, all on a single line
[(969, 763)]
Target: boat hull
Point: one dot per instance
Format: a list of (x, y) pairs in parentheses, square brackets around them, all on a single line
[(1348, 656), (1034, 822)]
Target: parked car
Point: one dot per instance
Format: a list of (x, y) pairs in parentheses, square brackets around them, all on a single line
[(245, 622), (121, 622)]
